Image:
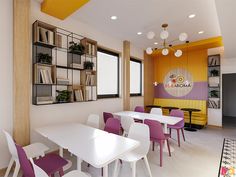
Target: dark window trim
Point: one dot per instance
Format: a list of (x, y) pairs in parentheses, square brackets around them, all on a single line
[(141, 73), (118, 74)]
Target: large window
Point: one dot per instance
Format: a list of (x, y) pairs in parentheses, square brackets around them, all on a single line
[(107, 74), (135, 77)]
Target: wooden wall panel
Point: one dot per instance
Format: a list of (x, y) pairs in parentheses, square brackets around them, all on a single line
[(21, 70), (148, 79), (126, 75)]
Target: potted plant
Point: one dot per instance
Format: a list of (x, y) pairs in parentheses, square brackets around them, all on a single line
[(63, 96), (88, 65), (214, 93), (44, 58), (214, 72), (76, 48)]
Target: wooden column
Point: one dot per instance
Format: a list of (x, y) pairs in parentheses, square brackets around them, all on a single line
[(126, 75), (148, 79), (21, 70)]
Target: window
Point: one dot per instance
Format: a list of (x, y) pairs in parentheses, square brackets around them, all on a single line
[(107, 74), (135, 77)]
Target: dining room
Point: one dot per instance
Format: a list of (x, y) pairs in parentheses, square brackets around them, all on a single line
[(116, 88)]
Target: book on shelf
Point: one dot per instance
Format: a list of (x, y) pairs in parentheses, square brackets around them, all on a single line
[(77, 65), (213, 103), (79, 95), (90, 79), (214, 81), (94, 93), (214, 61), (45, 36), (44, 100), (58, 40), (63, 81), (43, 75)]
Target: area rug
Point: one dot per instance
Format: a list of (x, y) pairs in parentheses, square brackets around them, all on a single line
[(228, 159)]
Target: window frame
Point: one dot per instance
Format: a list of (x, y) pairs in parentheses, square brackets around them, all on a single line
[(109, 52), (141, 76)]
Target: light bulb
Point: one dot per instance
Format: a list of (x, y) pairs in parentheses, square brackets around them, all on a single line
[(165, 51), (149, 50), (178, 53), (164, 34), (150, 35), (183, 37)]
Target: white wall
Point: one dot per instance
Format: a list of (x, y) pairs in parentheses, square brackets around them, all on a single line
[(6, 91), (51, 114), (227, 66)]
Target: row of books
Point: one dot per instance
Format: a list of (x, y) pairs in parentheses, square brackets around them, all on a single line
[(214, 61), (79, 95), (44, 100), (45, 36), (90, 93), (63, 81), (213, 104), (214, 81), (90, 79), (91, 49), (43, 75), (77, 65)]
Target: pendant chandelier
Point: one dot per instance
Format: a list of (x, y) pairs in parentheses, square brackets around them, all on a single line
[(165, 46)]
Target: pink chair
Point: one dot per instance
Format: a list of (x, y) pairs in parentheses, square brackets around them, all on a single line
[(178, 126), (50, 163), (113, 126), (107, 115), (157, 135), (139, 109)]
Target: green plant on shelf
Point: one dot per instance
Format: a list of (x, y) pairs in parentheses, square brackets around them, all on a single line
[(88, 65), (76, 48), (44, 58), (214, 93), (63, 96), (214, 72)]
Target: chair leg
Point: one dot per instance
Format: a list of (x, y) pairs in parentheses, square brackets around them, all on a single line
[(168, 145), (170, 132), (133, 169), (147, 165), (178, 137), (115, 172), (17, 168), (161, 152), (9, 167), (153, 146), (102, 172), (182, 130), (61, 172)]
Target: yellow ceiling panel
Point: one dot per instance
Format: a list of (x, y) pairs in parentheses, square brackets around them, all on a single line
[(61, 8)]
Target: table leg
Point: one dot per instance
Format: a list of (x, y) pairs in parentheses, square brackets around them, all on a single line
[(190, 123), (61, 151), (105, 171), (79, 161), (165, 148)]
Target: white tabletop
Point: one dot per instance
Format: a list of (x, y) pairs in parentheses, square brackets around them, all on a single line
[(142, 116), (92, 145)]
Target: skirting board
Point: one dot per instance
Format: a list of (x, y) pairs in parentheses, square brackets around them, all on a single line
[(2, 171), (214, 126)]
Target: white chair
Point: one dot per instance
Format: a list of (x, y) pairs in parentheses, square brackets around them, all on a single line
[(32, 151), (38, 172), (157, 111), (126, 122), (139, 132), (93, 121)]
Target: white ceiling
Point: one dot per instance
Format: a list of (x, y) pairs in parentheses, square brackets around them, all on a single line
[(146, 15), (227, 14)]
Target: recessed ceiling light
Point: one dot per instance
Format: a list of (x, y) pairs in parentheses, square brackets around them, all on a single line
[(200, 32), (191, 16), (155, 43), (114, 17), (139, 33)]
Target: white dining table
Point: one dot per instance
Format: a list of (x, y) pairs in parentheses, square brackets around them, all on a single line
[(165, 120), (91, 145)]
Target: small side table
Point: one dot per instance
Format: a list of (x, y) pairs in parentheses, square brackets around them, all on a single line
[(170, 108), (190, 110)]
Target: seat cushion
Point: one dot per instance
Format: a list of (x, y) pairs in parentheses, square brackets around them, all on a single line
[(51, 163)]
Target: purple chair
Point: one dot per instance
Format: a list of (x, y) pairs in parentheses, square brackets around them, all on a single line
[(139, 109), (50, 163), (107, 115), (113, 126), (179, 125), (157, 135)]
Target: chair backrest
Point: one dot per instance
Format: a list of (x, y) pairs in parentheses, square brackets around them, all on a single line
[(141, 133), (11, 145), (157, 111), (107, 115), (113, 126), (139, 109), (93, 121), (178, 113), (24, 162), (156, 130), (38, 172), (126, 122)]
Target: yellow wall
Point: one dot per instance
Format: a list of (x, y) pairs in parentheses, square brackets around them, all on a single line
[(194, 61)]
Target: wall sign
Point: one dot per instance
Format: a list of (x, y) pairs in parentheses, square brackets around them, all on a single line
[(178, 82)]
